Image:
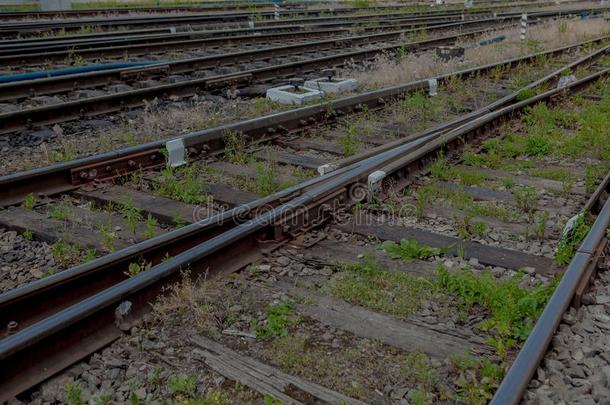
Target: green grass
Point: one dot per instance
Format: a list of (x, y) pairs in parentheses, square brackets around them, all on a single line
[(182, 184), (369, 285), (569, 243), (459, 199), (236, 147), (20, 7), (182, 386), (29, 202), (409, 250), (477, 379), (526, 199), (62, 211), (74, 394), (279, 318), (64, 252), (513, 309), (266, 174)]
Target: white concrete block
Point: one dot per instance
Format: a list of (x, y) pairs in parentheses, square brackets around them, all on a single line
[(287, 95), (326, 168), (334, 85), (176, 152)]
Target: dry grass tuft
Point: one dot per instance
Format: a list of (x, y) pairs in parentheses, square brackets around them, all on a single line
[(186, 299), (386, 70)]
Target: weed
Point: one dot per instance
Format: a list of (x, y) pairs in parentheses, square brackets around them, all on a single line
[(73, 394), (592, 175), (279, 318), (525, 94), (424, 195), (408, 250), (266, 173), (477, 378), (29, 202), (187, 189), (349, 144), (104, 399), (73, 59), (417, 370), (182, 386), (262, 106), (64, 252), (479, 229), (571, 240), (269, 400), (66, 152), (28, 235), (151, 225), (133, 270), (441, 170), (214, 398), (508, 182), (178, 220), (131, 215), (543, 218), (90, 254), (537, 145), (526, 199), (235, 147), (63, 211), (108, 236), (369, 285), (513, 308)]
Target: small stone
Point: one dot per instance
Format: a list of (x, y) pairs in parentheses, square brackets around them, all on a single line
[(473, 261), (283, 261), (569, 319), (606, 376), (529, 270)]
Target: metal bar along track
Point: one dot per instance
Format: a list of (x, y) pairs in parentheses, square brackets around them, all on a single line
[(39, 350)]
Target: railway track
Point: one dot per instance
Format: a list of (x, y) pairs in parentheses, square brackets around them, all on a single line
[(24, 53), (47, 317), (21, 28), (121, 100), (208, 43)]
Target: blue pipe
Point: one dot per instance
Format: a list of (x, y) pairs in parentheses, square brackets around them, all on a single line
[(68, 71), (491, 40)]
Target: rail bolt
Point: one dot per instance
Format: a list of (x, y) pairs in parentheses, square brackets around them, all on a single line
[(84, 175), (12, 327), (131, 163)]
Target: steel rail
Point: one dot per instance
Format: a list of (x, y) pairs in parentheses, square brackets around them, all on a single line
[(41, 349), (69, 175), (62, 112), (58, 84)]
